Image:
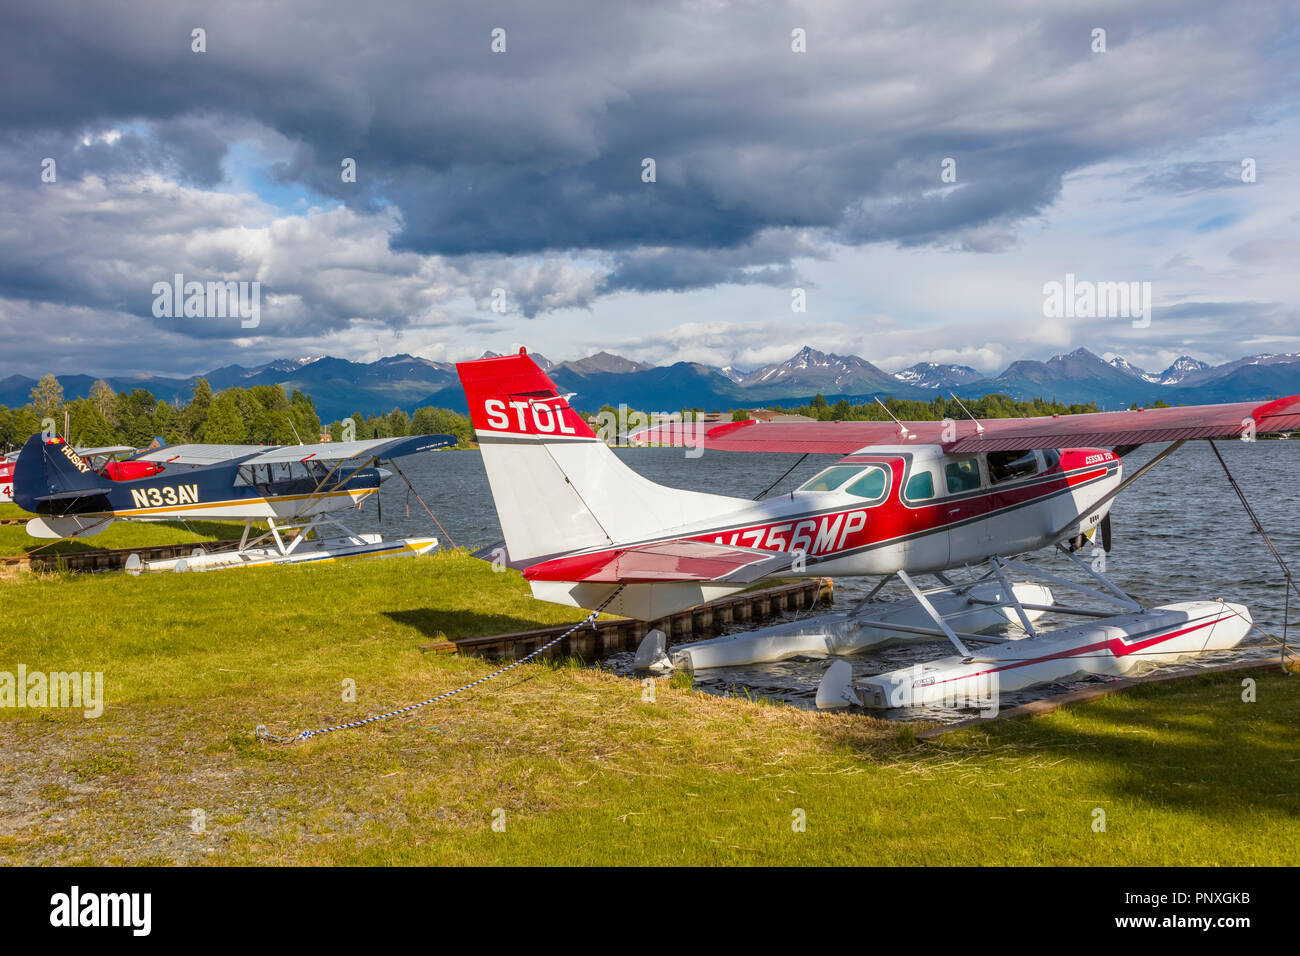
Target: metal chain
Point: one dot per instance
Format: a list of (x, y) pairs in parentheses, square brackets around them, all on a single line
[(263, 734)]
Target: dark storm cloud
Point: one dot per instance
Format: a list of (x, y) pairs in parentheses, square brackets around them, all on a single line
[(761, 261), (189, 150), (479, 170), (540, 148)]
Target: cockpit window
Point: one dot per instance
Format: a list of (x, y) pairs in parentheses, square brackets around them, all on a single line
[(830, 479), (920, 486), (963, 476), (871, 485), (1009, 465)]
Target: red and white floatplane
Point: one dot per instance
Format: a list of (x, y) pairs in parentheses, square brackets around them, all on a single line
[(904, 501), (7, 478)]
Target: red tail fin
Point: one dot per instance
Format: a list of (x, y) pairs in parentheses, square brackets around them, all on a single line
[(510, 395)]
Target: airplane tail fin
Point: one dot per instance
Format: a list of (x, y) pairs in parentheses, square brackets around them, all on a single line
[(52, 478), (557, 487)]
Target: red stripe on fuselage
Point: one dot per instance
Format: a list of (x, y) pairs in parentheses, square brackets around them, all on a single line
[(893, 518)]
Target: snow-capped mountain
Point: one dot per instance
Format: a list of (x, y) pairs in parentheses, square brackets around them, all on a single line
[(811, 370), (605, 363), (287, 365), (1128, 368), (340, 387), (542, 361), (936, 375), (730, 373), (1255, 363), (1181, 369)]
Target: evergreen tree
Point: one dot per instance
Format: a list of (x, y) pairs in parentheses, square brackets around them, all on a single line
[(89, 426), (47, 397), (398, 423), (225, 425), (134, 412), (101, 399), (442, 421), (195, 415)]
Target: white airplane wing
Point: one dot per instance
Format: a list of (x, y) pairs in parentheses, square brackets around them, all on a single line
[(201, 454), (283, 454), (105, 450), (346, 450)]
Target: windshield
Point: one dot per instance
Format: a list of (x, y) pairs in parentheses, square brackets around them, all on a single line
[(830, 479), (869, 483)]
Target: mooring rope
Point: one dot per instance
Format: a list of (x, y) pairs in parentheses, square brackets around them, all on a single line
[(263, 734), (411, 490)]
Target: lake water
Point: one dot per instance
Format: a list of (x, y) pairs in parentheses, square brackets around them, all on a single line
[(1179, 534)]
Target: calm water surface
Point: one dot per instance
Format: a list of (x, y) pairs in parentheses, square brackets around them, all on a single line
[(1179, 534)]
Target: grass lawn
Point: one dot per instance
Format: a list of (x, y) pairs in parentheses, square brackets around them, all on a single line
[(577, 765), (14, 538)]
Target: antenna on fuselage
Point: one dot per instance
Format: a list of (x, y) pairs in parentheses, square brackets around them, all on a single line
[(295, 432), (902, 429), (979, 429)]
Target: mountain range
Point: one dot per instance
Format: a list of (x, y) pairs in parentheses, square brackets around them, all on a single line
[(340, 387)]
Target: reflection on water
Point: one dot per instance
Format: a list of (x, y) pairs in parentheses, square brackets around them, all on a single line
[(1180, 534)]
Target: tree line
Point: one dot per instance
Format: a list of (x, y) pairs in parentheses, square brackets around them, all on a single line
[(920, 410), (425, 421), (937, 409), (257, 415), (266, 415)]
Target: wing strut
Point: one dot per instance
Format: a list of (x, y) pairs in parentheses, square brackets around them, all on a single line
[(930, 610), (1277, 556), (783, 477)]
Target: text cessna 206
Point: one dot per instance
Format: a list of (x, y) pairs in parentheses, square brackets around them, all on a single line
[(289, 488), (904, 498)]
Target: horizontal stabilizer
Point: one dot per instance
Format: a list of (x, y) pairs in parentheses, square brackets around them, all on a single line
[(496, 553), (677, 560), (64, 496), (66, 526)]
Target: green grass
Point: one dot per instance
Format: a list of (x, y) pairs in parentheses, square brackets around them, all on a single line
[(580, 766), (15, 540)]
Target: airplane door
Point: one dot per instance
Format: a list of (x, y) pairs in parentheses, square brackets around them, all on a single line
[(925, 540), (1015, 523), (966, 508)]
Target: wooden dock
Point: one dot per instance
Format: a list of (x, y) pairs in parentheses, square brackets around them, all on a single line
[(624, 633), (104, 559)]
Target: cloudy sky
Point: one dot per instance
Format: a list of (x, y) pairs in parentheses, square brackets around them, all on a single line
[(523, 171)]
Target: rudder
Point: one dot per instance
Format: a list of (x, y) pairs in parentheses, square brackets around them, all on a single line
[(557, 487), (48, 472)]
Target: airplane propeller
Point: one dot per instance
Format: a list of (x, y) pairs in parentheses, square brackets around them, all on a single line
[(1105, 533)]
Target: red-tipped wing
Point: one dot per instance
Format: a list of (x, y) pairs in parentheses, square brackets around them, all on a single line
[(1105, 429), (663, 561)]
